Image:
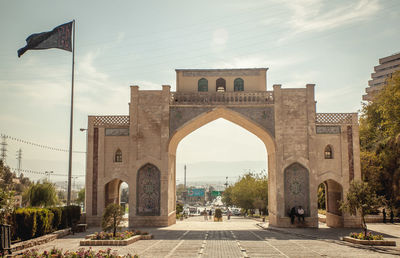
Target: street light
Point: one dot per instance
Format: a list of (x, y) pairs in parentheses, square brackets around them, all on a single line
[(48, 173)]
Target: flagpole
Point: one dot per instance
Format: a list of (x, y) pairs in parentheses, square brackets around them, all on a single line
[(71, 119)]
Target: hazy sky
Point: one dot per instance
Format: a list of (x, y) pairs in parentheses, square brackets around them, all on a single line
[(334, 44)]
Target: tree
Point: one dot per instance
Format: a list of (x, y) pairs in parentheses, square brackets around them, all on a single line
[(248, 193), (6, 204), (41, 194), (380, 141), (361, 199), (112, 217), (81, 197), (321, 197)]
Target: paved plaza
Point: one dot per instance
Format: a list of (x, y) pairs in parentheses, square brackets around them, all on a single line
[(241, 237)]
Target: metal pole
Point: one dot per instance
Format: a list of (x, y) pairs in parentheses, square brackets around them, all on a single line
[(184, 184), (71, 119)]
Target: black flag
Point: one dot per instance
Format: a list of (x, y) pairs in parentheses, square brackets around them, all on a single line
[(59, 37)]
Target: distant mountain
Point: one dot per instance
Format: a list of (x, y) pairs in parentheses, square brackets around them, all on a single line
[(215, 172)]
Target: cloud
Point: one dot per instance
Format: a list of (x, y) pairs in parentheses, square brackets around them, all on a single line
[(220, 39), (319, 15), (260, 61)]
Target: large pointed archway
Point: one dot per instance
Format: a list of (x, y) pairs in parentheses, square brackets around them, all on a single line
[(235, 118)]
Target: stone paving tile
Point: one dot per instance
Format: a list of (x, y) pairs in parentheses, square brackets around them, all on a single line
[(222, 248), (231, 238)]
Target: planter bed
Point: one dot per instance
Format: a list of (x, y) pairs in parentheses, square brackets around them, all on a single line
[(128, 241), (369, 242), (40, 240)]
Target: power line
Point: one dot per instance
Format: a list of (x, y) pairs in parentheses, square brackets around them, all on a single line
[(45, 173), (34, 144)]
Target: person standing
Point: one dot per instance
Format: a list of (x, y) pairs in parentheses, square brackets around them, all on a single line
[(300, 213), (292, 214), (384, 215), (205, 214), (391, 216), (210, 214)]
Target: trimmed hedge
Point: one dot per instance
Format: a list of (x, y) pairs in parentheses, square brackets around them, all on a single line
[(57, 217), (70, 215), (25, 223), (35, 222), (44, 220)]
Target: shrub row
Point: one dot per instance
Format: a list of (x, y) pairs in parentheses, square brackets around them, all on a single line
[(35, 222)]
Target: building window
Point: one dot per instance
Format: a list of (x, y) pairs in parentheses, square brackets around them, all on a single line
[(238, 84), (221, 85), (118, 156), (202, 85), (328, 152)]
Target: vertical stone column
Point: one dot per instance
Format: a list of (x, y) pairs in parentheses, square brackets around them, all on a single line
[(275, 184)]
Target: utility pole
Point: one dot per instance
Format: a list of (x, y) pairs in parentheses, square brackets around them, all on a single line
[(3, 149), (184, 186), (19, 158)]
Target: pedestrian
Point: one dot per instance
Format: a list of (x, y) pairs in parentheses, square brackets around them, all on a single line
[(300, 213), (292, 214), (210, 214), (229, 214), (205, 214), (384, 215), (391, 216)]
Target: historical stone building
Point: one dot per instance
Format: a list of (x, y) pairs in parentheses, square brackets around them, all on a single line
[(304, 148)]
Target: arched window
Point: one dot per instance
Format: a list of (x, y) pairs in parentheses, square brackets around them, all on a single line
[(328, 152), (238, 84), (202, 85), (118, 156), (221, 85)]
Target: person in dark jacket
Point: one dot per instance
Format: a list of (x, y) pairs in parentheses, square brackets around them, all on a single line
[(292, 214)]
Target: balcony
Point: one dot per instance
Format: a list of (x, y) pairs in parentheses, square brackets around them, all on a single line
[(222, 98)]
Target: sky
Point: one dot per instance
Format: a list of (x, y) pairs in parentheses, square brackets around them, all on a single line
[(334, 44)]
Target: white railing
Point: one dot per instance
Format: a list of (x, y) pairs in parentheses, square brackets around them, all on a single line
[(221, 98)]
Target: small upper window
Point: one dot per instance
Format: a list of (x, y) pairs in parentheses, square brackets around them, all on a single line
[(328, 152), (221, 85), (238, 84), (118, 156), (202, 85)]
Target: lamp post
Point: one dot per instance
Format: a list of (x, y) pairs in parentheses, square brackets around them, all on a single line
[(48, 173), (85, 130)]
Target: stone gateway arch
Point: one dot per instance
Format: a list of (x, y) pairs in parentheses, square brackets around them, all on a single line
[(304, 148)]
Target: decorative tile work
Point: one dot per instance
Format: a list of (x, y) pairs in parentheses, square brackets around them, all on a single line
[(148, 191), (327, 129), (95, 169), (221, 72), (350, 151), (117, 131), (334, 118), (111, 120), (296, 188), (221, 98)]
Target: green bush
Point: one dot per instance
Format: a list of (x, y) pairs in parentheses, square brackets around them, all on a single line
[(57, 217), (70, 215), (44, 221), (25, 223)]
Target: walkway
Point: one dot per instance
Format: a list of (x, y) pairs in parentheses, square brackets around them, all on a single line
[(238, 237)]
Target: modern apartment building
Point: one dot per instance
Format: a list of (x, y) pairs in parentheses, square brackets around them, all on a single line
[(384, 70)]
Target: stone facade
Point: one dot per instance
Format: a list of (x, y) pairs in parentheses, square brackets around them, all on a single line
[(285, 120)]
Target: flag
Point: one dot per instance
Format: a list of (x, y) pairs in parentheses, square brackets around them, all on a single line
[(59, 37)]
